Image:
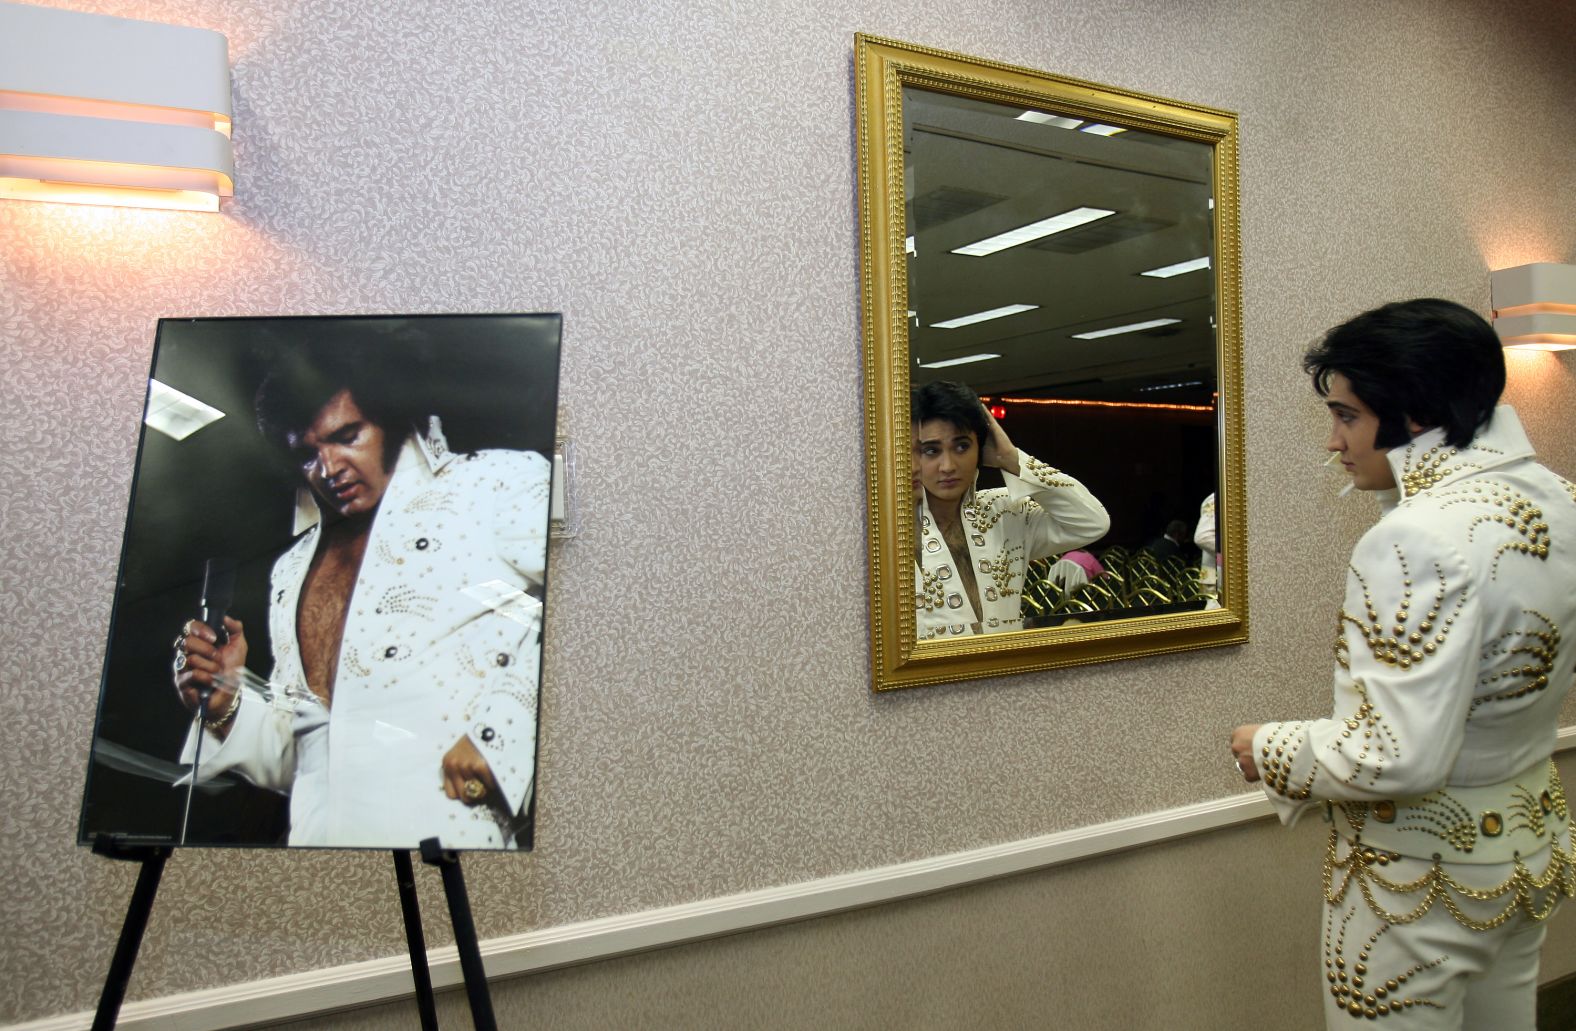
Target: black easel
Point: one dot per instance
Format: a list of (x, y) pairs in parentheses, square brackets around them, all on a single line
[(152, 858), (406, 878), (448, 862)]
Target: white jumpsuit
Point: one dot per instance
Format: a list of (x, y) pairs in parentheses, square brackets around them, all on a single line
[(1450, 838)]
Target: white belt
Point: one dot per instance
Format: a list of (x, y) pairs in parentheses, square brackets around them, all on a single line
[(1489, 823)]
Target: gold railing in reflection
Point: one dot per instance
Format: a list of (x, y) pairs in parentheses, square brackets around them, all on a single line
[(1133, 580)]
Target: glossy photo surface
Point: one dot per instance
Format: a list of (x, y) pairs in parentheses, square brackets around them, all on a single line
[(332, 585)]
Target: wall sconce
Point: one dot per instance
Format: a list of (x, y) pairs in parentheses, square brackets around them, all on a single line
[(1535, 306), (103, 110)]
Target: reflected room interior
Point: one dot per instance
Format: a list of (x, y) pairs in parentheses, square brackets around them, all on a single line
[(1060, 267)]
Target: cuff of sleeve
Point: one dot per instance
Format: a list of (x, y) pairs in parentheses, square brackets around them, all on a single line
[(1032, 477), (1287, 810), (213, 760)]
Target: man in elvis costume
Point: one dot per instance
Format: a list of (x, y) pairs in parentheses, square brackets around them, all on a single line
[(973, 548), (1450, 840), (405, 623)]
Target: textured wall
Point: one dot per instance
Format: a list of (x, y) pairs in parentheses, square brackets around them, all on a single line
[(676, 177)]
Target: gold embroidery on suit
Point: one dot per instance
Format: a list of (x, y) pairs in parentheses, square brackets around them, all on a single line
[(1007, 566), (1405, 644), (1541, 645), (1047, 475), (1510, 509), (1355, 988), (932, 593), (1420, 472)]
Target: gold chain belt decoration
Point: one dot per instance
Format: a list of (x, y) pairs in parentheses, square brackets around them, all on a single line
[(1499, 823)]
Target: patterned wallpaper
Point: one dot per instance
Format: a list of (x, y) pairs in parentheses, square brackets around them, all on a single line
[(676, 177)]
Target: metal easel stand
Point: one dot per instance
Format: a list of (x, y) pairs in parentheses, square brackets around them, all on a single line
[(417, 943), (152, 858), (448, 863)]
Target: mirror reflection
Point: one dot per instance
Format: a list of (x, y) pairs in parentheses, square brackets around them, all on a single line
[(1062, 352)]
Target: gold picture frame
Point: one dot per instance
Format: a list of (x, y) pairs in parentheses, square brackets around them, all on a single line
[(967, 103)]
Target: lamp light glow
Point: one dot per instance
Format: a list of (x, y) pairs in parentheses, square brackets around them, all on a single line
[(1535, 306), (1155, 406), (103, 110)]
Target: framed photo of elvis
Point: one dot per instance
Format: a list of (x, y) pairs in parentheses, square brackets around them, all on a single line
[(330, 599)]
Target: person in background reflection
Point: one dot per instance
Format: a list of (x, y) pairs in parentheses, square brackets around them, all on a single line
[(1168, 543), (1086, 561), (1204, 536), (972, 548), (1450, 838)]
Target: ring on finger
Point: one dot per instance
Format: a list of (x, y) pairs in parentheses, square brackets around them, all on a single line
[(180, 661), (474, 790), (186, 627)]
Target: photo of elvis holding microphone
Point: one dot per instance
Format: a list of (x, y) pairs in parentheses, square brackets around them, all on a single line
[(400, 631)]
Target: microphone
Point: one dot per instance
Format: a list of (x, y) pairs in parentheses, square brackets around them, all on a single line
[(218, 594)]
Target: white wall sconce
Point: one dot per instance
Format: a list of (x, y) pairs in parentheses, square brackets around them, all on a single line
[(103, 110), (1535, 306)]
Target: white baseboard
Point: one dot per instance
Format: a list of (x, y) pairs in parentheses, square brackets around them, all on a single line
[(382, 980)]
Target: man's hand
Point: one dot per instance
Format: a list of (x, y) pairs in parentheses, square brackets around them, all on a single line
[(201, 663), (997, 451), (1242, 749), (466, 775)]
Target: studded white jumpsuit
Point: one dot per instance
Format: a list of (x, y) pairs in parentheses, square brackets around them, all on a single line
[(1040, 512), (1450, 840)]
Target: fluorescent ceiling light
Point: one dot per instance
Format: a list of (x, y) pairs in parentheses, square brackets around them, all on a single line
[(983, 316), (1167, 271), (1033, 231), (958, 361), (1041, 118), (1096, 129), (175, 414), (1130, 328)]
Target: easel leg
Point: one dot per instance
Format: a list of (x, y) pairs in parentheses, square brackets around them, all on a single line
[(405, 877), (152, 858), (448, 862)]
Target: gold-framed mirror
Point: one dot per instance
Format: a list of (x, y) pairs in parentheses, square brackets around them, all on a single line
[(1067, 252)]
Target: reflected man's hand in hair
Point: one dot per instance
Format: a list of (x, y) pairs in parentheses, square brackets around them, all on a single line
[(997, 451)]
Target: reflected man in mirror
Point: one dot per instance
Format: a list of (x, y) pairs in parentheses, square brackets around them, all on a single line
[(405, 623), (1450, 831), (1169, 543), (973, 547)]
